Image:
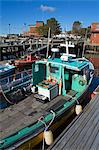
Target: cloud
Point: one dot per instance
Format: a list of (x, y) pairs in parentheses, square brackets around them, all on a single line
[(47, 8)]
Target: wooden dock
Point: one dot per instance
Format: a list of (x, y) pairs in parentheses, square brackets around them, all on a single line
[(83, 132)]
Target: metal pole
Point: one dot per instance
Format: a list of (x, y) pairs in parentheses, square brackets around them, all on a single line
[(66, 42), (24, 27), (48, 43), (84, 43)]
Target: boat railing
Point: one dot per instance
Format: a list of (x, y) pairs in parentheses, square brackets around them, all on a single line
[(14, 77), (23, 79)]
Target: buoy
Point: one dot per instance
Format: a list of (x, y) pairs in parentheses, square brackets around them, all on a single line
[(78, 109), (93, 95), (60, 87), (33, 89), (48, 136), (49, 78)]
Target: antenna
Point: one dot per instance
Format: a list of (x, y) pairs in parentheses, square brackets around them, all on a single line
[(84, 43), (9, 28), (48, 42)]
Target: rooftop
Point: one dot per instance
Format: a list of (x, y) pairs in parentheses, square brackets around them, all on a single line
[(74, 64)]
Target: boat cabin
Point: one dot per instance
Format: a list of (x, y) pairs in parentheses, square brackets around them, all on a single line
[(58, 76), (6, 70)]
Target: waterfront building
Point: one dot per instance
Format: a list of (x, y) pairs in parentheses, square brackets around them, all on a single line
[(94, 39), (33, 29)]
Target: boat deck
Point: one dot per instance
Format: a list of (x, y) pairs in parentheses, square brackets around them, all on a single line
[(26, 112), (83, 132)]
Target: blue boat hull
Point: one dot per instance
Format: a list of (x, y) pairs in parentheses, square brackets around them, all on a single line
[(7, 73)]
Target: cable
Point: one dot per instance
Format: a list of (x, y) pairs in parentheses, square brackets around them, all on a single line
[(40, 119), (43, 145)]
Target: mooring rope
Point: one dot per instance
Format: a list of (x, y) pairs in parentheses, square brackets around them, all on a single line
[(5, 96), (46, 127)]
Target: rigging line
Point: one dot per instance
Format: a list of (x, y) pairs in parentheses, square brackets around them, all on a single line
[(53, 113), (5, 96), (46, 127)]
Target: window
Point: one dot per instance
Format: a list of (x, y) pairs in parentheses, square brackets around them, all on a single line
[(54, 69), (36, 68), (97, 27)]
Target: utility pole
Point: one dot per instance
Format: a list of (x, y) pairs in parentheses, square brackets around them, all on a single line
[(9, 28), (25, 27)]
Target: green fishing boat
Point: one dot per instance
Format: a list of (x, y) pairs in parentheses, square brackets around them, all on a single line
[(59, 83)]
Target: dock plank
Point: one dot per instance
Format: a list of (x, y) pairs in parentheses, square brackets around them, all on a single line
[(83, 132), (95, 145), (76, 127)]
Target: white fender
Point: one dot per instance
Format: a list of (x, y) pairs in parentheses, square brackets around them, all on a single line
[(48, 136), (78, 109)]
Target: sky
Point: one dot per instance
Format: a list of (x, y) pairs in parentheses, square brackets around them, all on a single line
[(21, 13)]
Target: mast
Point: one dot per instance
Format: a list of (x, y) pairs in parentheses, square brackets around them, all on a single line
[(48, 42), (66, 42), (84, 44)]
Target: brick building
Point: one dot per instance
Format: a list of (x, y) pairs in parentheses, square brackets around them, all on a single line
[(33, 29), (95, 34)]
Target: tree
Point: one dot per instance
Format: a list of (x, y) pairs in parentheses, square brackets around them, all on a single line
[(76, 27), (83, 32), (53, 24), (43, 30), (89, 31)]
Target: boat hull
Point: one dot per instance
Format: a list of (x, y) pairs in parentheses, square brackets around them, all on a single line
[(23, 64), (7, 73), (56, 124), (34, 140)]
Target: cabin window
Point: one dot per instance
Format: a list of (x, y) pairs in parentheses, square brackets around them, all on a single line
[(54, 69), (86, 72), (36, 68)]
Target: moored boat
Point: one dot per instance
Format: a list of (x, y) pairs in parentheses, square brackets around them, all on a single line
[(6, 70), (14, 87), (59, 83), (26, 62)]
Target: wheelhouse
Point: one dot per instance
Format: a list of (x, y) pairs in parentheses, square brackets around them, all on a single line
[(61, 75)]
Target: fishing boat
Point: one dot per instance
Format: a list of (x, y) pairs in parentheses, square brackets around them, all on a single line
[(6, 70), (14, 87), (26, 62), (59, 84)]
